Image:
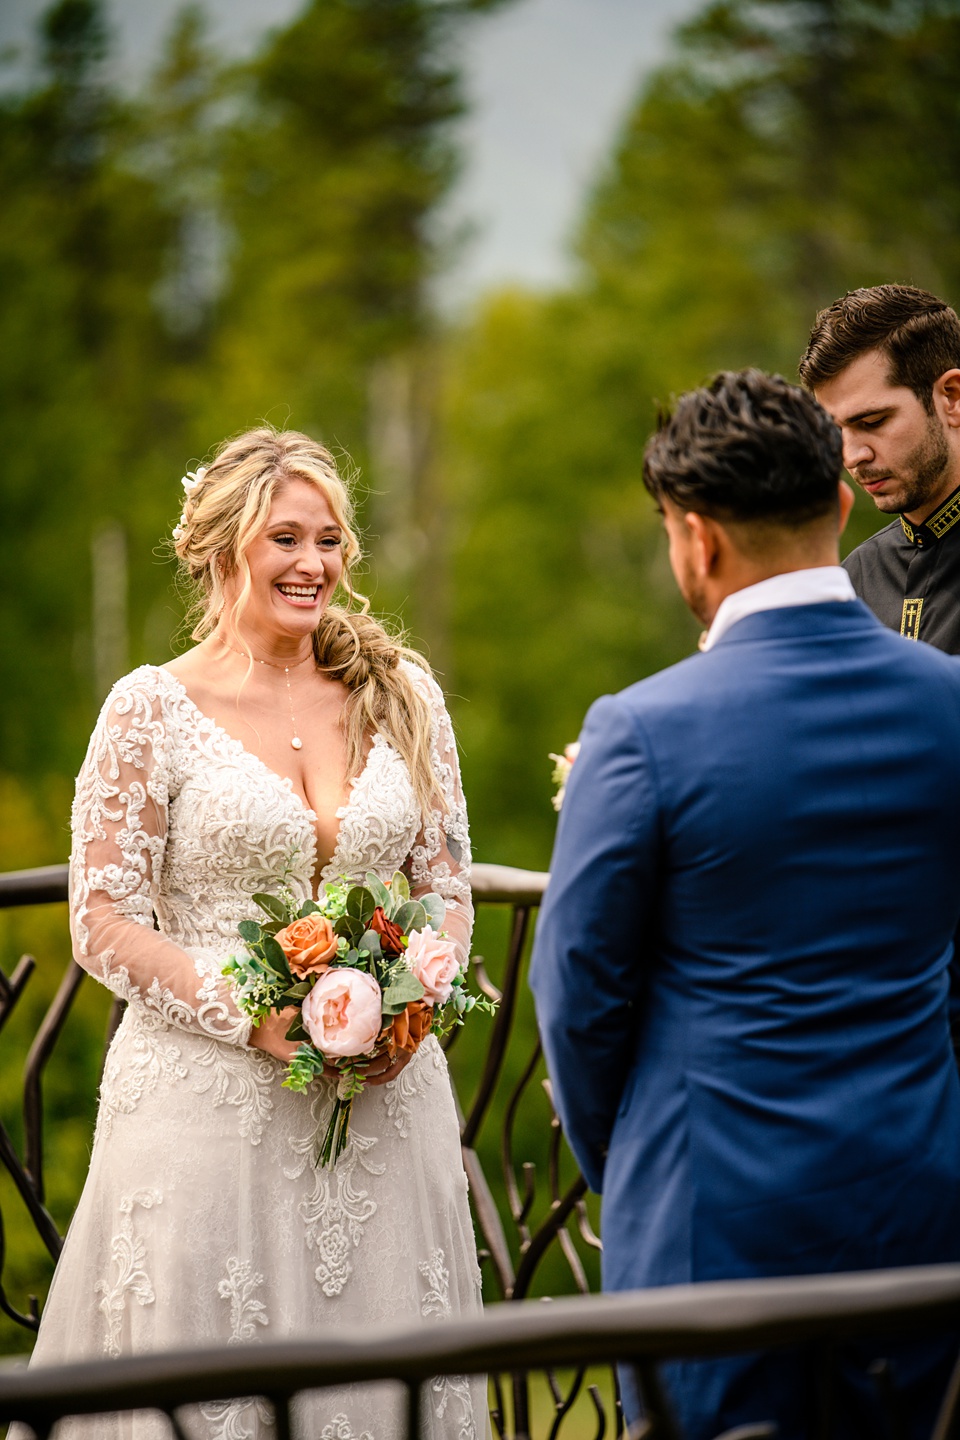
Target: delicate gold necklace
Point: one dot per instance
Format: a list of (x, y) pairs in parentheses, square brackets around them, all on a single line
[(296, 742)]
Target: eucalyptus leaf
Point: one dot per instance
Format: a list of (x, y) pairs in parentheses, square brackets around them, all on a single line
[(370, 941), (360, 904), (272, 906), (411, 916), (403, 988), (309, 907), (400, 888), (296, 993), (378, 890), (296, 1030), (249, 931), (350, 927), (436, 910), (275, 958)]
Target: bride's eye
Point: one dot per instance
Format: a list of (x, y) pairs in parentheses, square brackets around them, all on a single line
[(331, 542), (286, 540)]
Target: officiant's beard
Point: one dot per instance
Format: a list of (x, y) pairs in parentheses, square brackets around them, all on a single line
[(919, 477)]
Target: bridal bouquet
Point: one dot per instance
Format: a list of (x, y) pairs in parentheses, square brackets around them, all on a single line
[(562, 765), (370, 971)]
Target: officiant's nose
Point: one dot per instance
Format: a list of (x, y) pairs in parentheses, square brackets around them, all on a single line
[(857, 450)]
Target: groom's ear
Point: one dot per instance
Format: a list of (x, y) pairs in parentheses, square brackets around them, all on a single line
[(847, 498), (705, 541)]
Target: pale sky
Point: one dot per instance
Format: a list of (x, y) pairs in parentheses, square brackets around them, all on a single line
[(549, 83)]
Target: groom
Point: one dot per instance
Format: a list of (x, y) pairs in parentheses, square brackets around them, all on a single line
[(742, 962)]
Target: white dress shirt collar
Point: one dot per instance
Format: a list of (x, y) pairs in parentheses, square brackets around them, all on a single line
[(796, 587)]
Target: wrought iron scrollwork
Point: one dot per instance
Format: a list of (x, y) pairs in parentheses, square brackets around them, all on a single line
[(513, 1240), (497, 1101)]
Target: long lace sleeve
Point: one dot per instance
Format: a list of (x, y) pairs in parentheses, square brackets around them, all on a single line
[(119, 835), (440, 859)]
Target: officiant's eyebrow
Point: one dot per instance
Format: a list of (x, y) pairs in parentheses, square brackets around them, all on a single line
[(872, 411)]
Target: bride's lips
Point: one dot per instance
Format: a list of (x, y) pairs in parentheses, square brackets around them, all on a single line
[(301, 596)]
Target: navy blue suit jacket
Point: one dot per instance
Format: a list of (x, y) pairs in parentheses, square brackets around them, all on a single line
[(742, 963)]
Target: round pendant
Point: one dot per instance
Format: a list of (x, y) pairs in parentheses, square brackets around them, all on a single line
[(297, 743)]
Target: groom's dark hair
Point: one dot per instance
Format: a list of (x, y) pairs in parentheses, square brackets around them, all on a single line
[(747, 447)]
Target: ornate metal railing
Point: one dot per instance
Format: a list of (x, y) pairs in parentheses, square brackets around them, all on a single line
[(542, 1218), (638, 1329), (542, 1214)]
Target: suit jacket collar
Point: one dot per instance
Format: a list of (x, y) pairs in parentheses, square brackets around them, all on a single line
[(833, 618), (813, 586)]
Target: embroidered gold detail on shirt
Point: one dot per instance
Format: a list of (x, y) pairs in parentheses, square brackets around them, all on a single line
[(910, 623), (908, 530), (945, 518)]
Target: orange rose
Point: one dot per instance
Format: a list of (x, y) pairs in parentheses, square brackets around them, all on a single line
[(391, 936), (308, 944), (408, 1029)]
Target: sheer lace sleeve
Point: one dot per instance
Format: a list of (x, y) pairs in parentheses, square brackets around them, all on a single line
[(440, 859), (119, 834)]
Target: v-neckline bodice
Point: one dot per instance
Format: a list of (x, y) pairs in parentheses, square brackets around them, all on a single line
[(333, 867)]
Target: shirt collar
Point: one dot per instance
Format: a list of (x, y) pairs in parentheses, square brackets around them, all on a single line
[(796, 587), (936, 525)]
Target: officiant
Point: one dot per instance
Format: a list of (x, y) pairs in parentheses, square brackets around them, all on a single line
[(885, 363)]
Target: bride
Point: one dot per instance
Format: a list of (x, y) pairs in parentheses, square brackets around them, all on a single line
[(296, 740)]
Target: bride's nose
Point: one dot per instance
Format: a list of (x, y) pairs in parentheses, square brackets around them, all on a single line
[(310, 566)]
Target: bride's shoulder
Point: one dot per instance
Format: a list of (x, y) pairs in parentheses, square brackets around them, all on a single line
[(139, 694), (422, 680)]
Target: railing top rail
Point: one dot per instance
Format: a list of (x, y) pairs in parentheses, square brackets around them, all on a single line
[(705, 1319), (506, 885), (492, 885), (41, 886)]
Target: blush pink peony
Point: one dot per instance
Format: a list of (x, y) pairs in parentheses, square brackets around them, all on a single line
[(342, 1012), (434, 962)]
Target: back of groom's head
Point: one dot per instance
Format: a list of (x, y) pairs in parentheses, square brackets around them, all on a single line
[(747, 448)]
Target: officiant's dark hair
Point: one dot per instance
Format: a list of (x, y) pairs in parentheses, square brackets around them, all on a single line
[(746, 447), (919, 334)]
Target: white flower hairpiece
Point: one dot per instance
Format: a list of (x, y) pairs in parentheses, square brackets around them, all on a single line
[(189, 482), (192, 479)]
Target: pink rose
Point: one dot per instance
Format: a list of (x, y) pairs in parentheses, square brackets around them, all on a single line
[(434, 962), (342, 1012)]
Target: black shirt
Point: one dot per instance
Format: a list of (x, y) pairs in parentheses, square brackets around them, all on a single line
[(909, 575)]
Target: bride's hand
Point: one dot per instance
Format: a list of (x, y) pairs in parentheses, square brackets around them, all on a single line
[(382, 1068), (270, 1035), (379, 1071)]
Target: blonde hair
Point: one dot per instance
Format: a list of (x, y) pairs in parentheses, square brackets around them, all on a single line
[(225, 508)]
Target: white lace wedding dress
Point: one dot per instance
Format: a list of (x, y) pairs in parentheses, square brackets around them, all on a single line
[(204, 1219)]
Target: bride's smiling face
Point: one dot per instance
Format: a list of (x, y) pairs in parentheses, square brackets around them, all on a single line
[(295, 564)]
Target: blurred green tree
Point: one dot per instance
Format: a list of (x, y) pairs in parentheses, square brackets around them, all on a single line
[(789, 150), (241, 241), (237, 241)]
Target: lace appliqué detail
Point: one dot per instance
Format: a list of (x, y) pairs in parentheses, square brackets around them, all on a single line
[(149, 1057), (337, 1208), (239, 1078), (380, 820), (247, 1418), (246, 1312), (238, 1419), (409, 1085), (448, 1391), (341, 1429), (128, 1254)]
